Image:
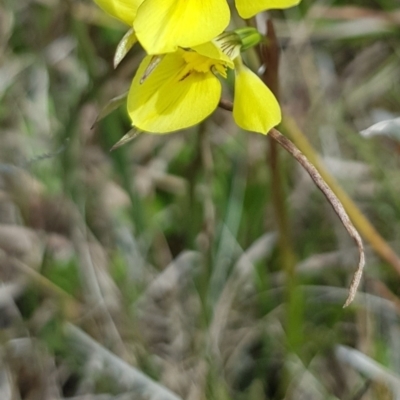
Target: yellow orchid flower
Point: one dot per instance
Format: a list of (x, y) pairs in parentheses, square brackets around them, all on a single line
[(184, 89), (161, 26)]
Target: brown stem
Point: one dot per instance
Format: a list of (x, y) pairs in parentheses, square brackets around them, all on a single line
[(330, 196), (362, 224), (335, 203), (269, 54)]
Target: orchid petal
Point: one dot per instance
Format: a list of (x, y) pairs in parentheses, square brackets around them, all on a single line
[(248, 9), (170, 99), (164, 25), (124, 10), (255, 108)]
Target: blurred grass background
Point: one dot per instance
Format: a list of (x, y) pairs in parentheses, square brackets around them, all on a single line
[(154, 271)]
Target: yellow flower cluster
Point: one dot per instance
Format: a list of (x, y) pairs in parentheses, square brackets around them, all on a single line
[(177, 84)]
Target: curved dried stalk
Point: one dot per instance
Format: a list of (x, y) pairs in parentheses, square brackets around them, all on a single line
[(335, 203), (330, 196), (363, 225)]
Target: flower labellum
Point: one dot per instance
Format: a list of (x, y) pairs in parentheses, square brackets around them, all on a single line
[(180, 92)]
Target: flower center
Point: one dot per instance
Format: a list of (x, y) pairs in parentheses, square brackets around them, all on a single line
[(196, 62)]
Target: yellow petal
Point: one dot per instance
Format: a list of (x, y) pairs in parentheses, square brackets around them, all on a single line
[(124, 10), (167, 100), (255, 108), (164, 25), (248, 9)]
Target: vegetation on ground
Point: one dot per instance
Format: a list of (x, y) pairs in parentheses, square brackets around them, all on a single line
[(170, 268)]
